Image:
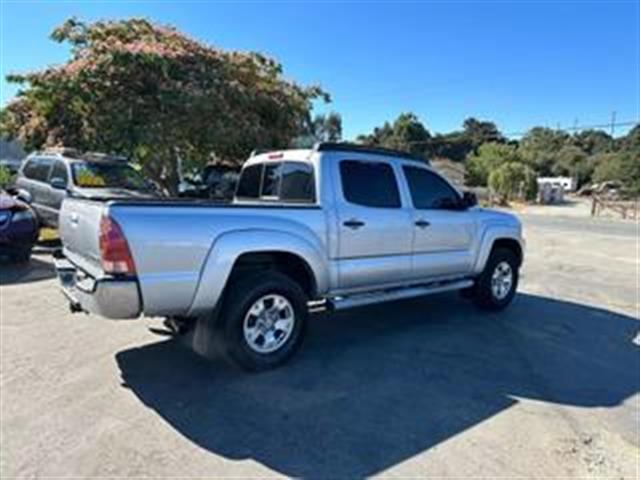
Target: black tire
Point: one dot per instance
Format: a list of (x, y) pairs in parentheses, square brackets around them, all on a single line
[(484, 296), (240, 296)]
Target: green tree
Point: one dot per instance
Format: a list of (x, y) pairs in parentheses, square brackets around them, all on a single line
[(592, 142), (538, 148), (6, 178), (151, 93), (631, 141), (513, 180), (454, 146), (407, 133), (572, 161), (479, 132), (327, 128), (623, 167), (489, 157)]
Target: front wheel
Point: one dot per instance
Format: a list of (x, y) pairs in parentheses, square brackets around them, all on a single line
[(263, 320), (496, 286)]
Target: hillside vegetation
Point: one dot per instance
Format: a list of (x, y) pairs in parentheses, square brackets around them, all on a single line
[(588, 155)]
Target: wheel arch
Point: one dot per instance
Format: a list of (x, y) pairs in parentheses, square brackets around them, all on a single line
[(509, 244), (495, 237), (240, 250), (290, 264)]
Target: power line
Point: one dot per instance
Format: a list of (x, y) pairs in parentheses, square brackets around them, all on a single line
[(610, 125), (602, 126)]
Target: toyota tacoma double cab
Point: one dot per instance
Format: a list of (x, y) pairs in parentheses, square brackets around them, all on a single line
[(328, 228)]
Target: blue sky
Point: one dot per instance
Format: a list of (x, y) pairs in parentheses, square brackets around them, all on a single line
[(519, 64)]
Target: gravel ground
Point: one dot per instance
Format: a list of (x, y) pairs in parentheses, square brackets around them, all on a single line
[(426, 388)]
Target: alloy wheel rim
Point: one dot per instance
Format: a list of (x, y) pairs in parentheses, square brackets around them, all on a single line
[(501, 280), (269, 323)]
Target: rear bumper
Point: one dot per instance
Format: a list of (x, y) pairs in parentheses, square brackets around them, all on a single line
[(108, 297)]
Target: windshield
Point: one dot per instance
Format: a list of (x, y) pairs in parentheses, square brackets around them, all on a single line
[(108, 175)]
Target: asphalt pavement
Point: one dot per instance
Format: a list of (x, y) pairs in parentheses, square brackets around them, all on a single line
[(424, 388)]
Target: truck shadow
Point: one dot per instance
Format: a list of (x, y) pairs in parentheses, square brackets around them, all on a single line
[(34, 270), (376, 386)]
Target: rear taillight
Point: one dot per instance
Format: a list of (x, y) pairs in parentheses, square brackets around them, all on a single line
[(114, 250)]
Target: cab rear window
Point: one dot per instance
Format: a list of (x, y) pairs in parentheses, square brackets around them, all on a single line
[(249, 182), (277, 181)]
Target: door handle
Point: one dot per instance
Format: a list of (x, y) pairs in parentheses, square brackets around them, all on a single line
[(422, 223), (353, 224)]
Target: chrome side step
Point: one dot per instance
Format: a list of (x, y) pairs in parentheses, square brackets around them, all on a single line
[(318, 306), (370, 298), (397, 294)]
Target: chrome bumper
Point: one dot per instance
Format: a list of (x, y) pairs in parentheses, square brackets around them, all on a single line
[(107, 297)]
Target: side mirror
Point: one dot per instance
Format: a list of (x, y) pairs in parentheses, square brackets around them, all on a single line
[(58, 183), (469, 199)]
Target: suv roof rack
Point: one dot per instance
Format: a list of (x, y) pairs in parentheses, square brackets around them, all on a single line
[(356, 147), (60, 152), (102, 157), (74, 153)]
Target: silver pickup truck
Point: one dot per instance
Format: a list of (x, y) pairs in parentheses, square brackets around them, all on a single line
[(333, 227)]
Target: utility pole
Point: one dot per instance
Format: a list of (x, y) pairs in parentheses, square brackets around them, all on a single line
[(613, 122), (613, 128)]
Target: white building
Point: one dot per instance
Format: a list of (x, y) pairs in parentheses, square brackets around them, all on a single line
[(568, 183)]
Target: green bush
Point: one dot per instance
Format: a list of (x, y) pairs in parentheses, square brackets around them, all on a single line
[(513, 180), (623, 167), (489, 157), (6, 178)]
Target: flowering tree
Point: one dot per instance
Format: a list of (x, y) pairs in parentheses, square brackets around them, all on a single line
[(153, 94)]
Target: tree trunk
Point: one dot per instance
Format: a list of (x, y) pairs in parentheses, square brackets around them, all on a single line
[(172, 179)]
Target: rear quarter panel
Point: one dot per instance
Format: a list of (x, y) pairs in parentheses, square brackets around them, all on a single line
[(173, 246)]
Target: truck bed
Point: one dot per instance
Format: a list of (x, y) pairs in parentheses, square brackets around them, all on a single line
[(171, 240)]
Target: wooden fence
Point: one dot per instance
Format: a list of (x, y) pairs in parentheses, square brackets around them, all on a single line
[(627, 209)]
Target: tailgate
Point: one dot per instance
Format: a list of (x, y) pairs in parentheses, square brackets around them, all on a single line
[(80, 230)]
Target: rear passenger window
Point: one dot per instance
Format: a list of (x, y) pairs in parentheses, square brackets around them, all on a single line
[(297, 184), (37, 169), (59, 171), (371, 184), (249, 183)]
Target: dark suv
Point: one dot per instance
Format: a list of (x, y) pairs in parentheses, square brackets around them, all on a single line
[(46, 178)]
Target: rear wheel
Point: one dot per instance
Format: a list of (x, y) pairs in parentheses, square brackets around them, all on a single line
[(263, 320), (496, 286)]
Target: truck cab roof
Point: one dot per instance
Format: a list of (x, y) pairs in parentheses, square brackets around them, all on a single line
[(307, 155)]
